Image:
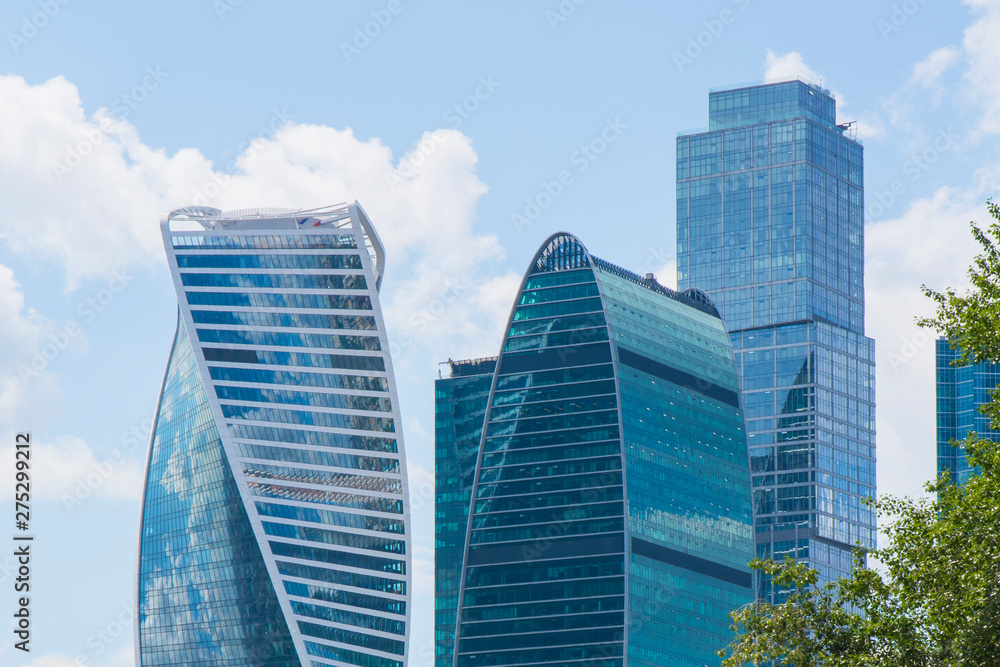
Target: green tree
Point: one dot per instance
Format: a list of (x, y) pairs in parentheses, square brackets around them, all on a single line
[(934, 601)]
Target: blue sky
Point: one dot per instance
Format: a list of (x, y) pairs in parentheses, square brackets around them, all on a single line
[(450, 122)]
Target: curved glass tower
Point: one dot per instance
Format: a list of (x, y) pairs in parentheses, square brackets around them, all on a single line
[(610, 518), (275, 526)]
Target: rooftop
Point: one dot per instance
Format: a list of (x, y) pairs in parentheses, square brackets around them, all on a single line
[(469, 367), (208, 218), (771, 82), (563, 251)]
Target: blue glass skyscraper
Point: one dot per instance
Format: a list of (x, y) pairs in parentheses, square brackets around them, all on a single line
[(610, 518), (274, 527), (770, 203), (460, 401), (961, 391)]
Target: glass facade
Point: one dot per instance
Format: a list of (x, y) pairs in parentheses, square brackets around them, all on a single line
[(196, 533), (610, 514), (770, 207), (275, 527), (459, 410), (961, 391)]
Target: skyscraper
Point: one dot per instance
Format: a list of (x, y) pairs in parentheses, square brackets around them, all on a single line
[(459, 411), (610, 518), (275, 527), (770, 203), (961, 391)]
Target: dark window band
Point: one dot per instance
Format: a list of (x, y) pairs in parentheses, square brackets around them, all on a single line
[(545, 549), (338, 361), (689, 562), (556, 357), (678, 377)]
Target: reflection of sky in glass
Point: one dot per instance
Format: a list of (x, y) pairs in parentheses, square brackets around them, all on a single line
[(203, 589)]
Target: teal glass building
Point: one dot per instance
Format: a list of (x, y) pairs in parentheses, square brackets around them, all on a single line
[(610, 518), (961, 391), (460, 401), (770, 203), (275, 529)]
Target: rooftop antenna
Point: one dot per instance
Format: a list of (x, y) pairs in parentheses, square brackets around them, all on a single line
[(850, 127)]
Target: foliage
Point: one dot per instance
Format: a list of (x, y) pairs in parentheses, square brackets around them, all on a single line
[(934, 603)]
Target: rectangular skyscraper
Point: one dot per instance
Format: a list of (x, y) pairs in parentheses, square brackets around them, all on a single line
[(459, 410), (961, 391), (770, 203)]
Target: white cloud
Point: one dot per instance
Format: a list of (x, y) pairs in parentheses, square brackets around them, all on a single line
[(789, 65), (930, 69), (900, 112), (930, 84), (926, 88)]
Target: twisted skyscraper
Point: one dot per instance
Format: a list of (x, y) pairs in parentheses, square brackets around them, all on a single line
[(275, 528)]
